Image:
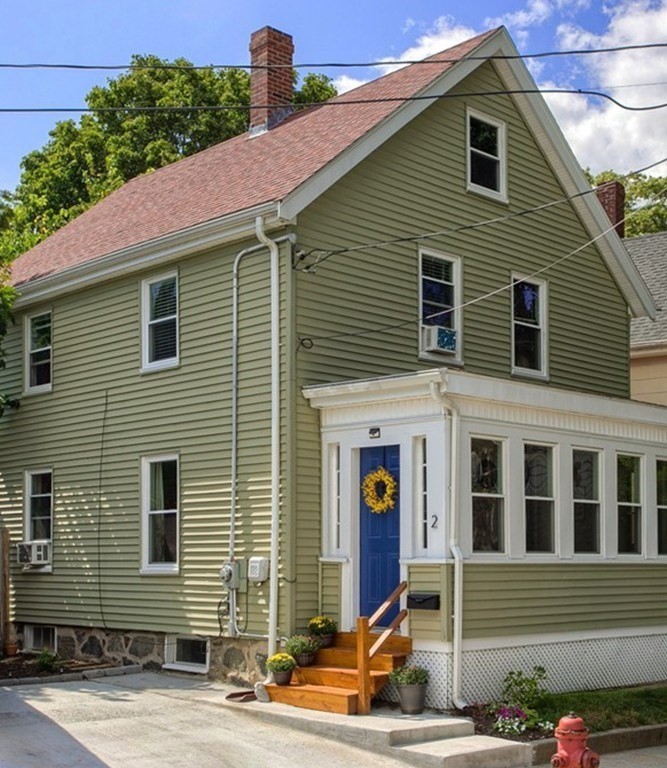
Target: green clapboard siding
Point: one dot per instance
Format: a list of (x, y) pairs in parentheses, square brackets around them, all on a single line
[(431, 625), (360, 309), (526, 599), (103, 416), (331, 589)]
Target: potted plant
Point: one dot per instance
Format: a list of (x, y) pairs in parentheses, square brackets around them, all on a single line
[(282, 665), (303, 648), (410, 682), (324, 628)]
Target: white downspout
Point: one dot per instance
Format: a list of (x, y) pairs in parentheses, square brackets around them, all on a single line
[(275, 433), (457, 639), (233, 629)]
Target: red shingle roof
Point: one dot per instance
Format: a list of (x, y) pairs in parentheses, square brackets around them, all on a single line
[(229, 177)]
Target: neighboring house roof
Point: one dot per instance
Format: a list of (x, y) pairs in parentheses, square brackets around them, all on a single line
[(649, 253), (289, 166)]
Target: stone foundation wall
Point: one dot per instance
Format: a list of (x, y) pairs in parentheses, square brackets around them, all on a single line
[(237, 660), (240, 661), (117, 646)]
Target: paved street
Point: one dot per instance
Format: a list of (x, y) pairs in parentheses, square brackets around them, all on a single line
[(114, 723), (150, 720)]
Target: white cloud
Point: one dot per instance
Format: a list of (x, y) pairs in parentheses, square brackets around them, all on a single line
[(345, 83), (443, 33), (603, 135)]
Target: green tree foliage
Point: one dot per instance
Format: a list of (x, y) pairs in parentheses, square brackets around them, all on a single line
[(86, 160), (645, 201)]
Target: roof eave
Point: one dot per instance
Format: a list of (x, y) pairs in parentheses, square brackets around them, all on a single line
[(159, 251)]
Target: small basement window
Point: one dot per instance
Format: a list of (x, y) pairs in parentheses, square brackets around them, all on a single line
[(39, 638), (187, 653)]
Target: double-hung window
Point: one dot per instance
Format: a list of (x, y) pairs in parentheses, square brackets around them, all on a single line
[(539, 498), (39, 505), (159, 299), (529, 298), (38, 353), (629, 497), (160, 514), (661, 483), (586, 495), (488, 500), (487, 172), (439, 299)]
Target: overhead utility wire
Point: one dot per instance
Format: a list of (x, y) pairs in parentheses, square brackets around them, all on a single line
[(324, 254), (341, 64), (337, 102), (307, 341)]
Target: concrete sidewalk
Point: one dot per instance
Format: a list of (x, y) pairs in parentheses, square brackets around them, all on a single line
[(150, 719)]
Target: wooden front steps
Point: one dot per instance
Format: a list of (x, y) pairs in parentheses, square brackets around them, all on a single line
[(332, 684)]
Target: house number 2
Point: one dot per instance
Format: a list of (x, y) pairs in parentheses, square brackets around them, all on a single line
[(434, 521)]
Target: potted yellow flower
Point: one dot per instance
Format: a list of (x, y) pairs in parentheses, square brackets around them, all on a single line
[(324, 628), (282, 665)]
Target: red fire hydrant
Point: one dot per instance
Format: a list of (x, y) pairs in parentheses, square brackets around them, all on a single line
[(572, 736)]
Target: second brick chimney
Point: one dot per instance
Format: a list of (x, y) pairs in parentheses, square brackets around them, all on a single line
[(612, 196), (270, 89)]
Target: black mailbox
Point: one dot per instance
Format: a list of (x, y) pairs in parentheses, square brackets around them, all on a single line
[(424, 601)]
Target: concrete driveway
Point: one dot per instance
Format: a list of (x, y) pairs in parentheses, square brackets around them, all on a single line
[(149, 720)]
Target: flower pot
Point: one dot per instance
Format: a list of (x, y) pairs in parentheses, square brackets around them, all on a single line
[(326, 640), (11, 648), (305, 659), (283, 678), (411, 698)]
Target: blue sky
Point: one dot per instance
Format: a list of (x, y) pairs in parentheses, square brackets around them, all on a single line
[(204, 31)]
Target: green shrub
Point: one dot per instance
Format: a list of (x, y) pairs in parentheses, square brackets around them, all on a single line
[(409, 675)]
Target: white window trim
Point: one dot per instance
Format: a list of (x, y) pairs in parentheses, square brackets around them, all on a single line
[(181, 666), (172, 362), (148, 568), (29, 638), (27, 496), (600, 500), (543, 372), (27, 327), (457, 313), (504, 448), (501, 194), (642, 505), (554, 499), (658, 505)]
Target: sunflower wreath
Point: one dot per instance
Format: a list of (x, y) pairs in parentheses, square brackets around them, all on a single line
[(379, 489)]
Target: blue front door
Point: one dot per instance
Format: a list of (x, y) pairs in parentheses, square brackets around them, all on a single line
[(380, 537)]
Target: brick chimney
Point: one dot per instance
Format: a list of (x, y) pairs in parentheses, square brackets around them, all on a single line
[(274, 87), (612, 196)]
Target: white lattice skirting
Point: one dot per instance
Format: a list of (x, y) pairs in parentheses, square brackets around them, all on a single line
[(571, 666)]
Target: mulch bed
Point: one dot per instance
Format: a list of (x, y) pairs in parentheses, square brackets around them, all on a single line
[(27, 665), (484, 722)]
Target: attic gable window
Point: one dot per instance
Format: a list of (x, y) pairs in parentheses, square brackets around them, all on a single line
[(159, 310), (486, 156), (38, 353)]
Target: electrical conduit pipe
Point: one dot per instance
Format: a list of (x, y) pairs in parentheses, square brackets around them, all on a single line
[(233, 629)]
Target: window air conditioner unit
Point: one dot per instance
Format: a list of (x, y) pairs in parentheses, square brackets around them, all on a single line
[(33, 552), (435, 339)]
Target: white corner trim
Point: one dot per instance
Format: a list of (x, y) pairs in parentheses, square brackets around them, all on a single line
[(161, 250)]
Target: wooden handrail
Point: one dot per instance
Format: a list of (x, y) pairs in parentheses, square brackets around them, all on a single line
[(393, 597), (364, 651)]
